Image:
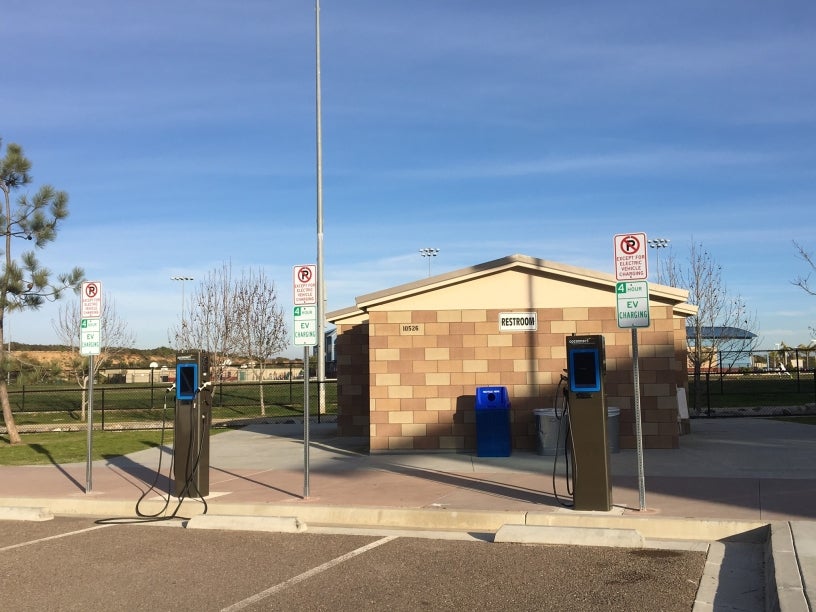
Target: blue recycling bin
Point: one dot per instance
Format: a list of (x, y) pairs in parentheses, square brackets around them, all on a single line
[(492, 422)]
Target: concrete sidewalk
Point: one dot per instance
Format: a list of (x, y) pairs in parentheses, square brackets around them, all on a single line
[(729, 477), (736, 469)]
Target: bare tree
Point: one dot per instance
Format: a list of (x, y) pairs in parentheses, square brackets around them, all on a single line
[(25, 284), (803, 282), (723, 325), (228, 317), (115, 339), (209, 324), (261, 327)]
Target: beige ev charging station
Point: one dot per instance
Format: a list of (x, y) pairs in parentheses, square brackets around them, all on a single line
[(586, 366)]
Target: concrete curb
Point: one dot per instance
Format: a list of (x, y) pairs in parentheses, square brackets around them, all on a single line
[(784, 590), (804, 543), (709, 581), (276, 524), (24, 513), (574, 536), (651, 527), (655, 527)]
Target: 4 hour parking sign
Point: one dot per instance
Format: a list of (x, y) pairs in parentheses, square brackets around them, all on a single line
[(632, 304)]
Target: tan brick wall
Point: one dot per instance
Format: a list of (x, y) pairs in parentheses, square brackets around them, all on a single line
[(353, 373), (419, 382), (407, 379)]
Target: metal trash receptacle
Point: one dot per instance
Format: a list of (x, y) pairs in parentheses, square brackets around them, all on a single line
[(613, 428), (551, 431), (492, 422)]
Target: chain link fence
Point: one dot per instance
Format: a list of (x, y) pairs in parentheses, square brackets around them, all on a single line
[(133, 406), (769, 382)]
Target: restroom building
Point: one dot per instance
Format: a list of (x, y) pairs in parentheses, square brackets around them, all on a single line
[(409, 358)]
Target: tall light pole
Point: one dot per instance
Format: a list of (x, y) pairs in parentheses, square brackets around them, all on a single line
[(429, 252), (183, 280), (657, 244), (319, 281), (153, 366)]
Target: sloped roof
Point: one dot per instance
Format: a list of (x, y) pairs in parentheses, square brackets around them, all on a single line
[(523, 263), (720, 332)]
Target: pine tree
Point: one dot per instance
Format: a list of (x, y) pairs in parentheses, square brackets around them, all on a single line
[(24, 283)]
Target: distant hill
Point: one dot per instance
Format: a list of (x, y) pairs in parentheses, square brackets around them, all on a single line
[(42, 354), (22, 346), (45, 354)]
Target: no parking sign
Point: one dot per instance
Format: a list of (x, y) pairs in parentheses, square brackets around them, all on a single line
[(631, 262), (90, 300), (305, 285)]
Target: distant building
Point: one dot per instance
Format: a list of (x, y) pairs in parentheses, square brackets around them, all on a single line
[(330, 336), (733, 345)]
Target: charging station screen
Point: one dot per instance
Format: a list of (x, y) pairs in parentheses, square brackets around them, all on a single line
[(186, 377), (584, 370)]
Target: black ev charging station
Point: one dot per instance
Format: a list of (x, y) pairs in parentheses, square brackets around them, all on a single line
[(191, 448), (586, 367)]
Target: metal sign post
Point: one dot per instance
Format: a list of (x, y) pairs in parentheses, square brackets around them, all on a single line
[(632, 305), (638, 422), (306, 422), (90, 344), (89, 459), (306, 335), (633, 312)]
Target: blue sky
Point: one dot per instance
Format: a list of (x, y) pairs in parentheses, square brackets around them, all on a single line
[(184, 133)]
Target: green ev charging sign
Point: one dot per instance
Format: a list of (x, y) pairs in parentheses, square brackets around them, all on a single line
[(305, 325), (632, 304)]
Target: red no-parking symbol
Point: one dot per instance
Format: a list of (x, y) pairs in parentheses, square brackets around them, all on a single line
[(630, 245), (304, 274)]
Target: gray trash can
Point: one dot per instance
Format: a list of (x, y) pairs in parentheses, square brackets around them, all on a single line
[(548, 427), (613, 428)]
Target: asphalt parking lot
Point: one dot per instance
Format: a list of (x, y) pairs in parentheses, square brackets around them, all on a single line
[(88, 565)]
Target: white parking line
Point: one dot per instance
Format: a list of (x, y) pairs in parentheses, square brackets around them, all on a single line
[(53, 537), (305, 575)]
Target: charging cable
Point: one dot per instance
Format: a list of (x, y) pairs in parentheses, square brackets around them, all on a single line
[(193, 459), (158, 469), (569, 456), (190, 461)]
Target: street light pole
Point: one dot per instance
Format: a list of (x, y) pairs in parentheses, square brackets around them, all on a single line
[(153, 366), (429, 252), (321, 279), (657, 244)]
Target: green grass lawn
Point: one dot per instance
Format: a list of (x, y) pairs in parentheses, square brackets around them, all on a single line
[(126, 403), (54, 405), (71, 447), (746, 391)]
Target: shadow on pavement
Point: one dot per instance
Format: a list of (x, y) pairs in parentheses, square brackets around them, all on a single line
[(44, 451)]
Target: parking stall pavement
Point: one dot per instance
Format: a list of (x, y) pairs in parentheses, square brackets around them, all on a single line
[(728, 477), (79, 564)]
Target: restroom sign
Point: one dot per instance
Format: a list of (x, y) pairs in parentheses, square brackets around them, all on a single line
[(631, 257), (518, 321)]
